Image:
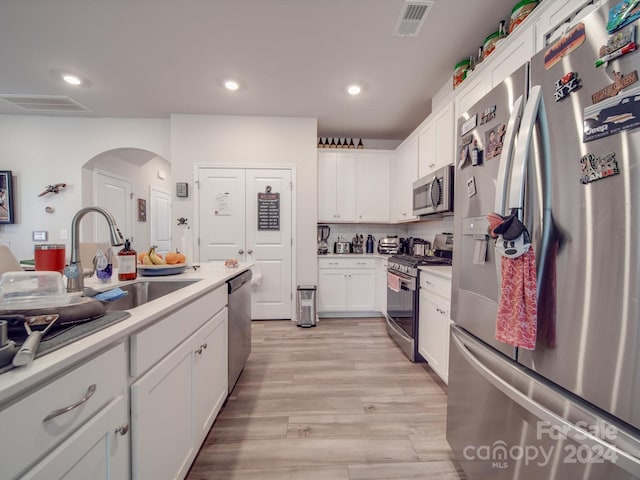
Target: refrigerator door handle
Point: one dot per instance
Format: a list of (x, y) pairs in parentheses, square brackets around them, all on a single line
[(519, 171), (504, 169), (625, 460)]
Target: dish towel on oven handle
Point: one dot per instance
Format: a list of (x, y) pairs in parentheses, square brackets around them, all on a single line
[(393, 282), (516, 322)]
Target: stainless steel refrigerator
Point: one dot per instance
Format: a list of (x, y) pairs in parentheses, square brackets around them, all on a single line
[(557, 143)]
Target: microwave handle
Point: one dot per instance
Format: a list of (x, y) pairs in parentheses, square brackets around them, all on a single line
[(434, 202)]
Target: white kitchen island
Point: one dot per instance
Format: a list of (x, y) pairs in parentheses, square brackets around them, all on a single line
[(144, 392)]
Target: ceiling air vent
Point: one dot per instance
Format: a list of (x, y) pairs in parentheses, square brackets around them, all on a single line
[(44, 103), (412, 17)]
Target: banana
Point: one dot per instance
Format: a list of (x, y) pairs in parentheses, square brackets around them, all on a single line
[(155, 258), (146, 260)]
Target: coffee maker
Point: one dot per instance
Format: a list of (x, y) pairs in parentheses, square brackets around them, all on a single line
[(323, 236)]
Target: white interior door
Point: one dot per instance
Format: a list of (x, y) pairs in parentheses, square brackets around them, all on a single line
[(269, 241), (221, 214), (160, 219), (229, 228), (114, 194)]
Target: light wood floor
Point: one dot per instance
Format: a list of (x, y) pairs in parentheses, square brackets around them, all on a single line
[(336, 402)]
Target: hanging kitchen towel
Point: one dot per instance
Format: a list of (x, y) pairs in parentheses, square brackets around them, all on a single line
[(516, 322), (393, 282)]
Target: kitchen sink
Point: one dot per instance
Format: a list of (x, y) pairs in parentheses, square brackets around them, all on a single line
[(139, 293)]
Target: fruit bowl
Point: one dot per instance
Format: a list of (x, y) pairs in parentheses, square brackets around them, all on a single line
[(158, 270)]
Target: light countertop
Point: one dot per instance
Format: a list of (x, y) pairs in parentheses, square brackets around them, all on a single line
[(442, 270), (354, 255), (210, 276)]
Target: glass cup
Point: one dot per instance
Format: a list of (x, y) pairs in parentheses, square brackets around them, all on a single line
[(50, 257)]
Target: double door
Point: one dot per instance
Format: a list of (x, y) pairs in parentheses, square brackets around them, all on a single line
[(246, 214)]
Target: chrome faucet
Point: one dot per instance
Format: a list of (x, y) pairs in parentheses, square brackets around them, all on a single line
[(74, 272)]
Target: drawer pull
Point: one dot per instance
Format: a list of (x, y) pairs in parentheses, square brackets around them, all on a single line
[(429, 283), (201, 348), (90, 391), (122, 429), (440, 311)]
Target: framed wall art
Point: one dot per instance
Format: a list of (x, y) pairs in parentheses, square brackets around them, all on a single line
[(142, 210), (6, 197)]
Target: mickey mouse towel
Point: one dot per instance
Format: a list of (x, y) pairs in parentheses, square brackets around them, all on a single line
[(516, 322)]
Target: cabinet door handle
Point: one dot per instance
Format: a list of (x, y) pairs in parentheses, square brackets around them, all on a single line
[(90, 391), (429, 283), (122, 429), (431, 165), (249, 251), (241, 251), (204, 345)]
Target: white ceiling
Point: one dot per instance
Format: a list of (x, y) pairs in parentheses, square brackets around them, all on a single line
[(152, 58)]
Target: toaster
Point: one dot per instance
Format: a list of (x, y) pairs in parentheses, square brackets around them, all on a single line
[(389, 245), (342, 247)]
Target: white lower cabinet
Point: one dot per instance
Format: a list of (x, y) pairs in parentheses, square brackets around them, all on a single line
[(174, 404), (99, 450), (67, 427), (434, 322), (346, 285)]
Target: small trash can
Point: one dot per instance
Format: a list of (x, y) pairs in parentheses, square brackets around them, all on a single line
[(307, 311)]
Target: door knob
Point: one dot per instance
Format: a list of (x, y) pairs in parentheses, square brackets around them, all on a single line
[(240, 251), (249, 251), (122, 429)]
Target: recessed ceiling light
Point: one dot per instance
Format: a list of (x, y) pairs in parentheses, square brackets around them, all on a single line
[(231, 85), (72, 79), (354, 89)]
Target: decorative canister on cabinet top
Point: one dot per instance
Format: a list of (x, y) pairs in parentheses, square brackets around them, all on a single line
[(521, 11), (460, 71)]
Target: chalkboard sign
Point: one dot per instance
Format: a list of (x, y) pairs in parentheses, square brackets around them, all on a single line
[(268, 211)]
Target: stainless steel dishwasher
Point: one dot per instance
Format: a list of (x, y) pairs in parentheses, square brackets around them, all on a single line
[(239, 339)]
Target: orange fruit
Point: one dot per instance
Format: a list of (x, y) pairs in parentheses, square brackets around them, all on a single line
[(171, 258), (181, 258)]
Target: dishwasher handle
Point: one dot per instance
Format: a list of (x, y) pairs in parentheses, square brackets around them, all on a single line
[(239, 280)]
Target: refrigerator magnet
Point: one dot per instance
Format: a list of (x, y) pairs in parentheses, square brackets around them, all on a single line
[(564, 45), (469, 125), (620, 82), (612, 116), (623, 13), (488, 115), (617, 45), (493, 139), (593, 168), (570, 82), (471, 187)]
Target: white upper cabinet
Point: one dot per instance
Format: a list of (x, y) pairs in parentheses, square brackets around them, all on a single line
[(436, 141), (472, 89), (372, 187), (354, 186), (406, 174), (336, 187), (517, 49), (557, 15)]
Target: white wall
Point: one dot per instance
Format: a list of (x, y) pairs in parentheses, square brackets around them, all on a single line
[(141, 168), (247, 140), (43, 150)]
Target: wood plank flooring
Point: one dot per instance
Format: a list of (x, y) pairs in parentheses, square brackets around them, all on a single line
[(336, 402)]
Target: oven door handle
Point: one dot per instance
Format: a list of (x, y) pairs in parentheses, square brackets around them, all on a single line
[(406, 283)]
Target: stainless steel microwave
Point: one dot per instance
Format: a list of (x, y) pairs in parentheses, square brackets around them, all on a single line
[(433, 193)]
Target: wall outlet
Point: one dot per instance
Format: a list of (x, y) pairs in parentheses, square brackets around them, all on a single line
[(64, 234)]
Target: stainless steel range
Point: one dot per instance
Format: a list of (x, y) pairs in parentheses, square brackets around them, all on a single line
[(402, 298)]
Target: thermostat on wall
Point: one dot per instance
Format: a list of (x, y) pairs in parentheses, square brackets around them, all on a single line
[(182, 189)]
